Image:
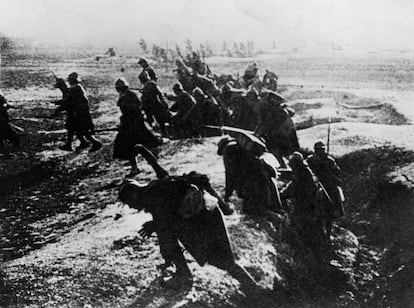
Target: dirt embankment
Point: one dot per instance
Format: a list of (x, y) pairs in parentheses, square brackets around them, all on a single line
[(380, 185), (66, 241)]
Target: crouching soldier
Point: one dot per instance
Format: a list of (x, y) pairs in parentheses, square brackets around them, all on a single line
[(251, 172), (328, 172), (275, 125), (6, 132), (153, 103), (184, 101), (183, 211)]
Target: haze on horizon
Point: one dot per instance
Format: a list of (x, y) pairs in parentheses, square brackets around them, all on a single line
[(364, 25)]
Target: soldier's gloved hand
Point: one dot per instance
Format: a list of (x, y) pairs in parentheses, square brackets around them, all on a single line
[(147, 229)]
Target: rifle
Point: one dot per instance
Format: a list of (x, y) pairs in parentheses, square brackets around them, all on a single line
[(62, 131), (109, 129), (34, 120), (329, 135), (245, 138), (137, 89), (18, 128)]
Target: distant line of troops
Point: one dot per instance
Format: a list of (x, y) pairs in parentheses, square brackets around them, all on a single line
[(181, 205)]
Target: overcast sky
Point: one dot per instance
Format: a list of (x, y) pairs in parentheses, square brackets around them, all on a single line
[(365, 24)]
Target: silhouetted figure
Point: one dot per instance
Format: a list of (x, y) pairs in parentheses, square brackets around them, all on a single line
[(6, 131), (185, 212), (132, 130), (328, 172), (79, 120), (153, 103)]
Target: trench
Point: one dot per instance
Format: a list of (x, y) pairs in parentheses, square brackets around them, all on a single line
[(370, 263)]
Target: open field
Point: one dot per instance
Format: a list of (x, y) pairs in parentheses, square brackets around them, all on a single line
[(65, 240)]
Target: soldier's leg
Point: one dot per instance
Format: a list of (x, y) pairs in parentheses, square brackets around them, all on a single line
[(69, 140), (150, 158), (84, 143), (134, 167), (171, 250), (161, 123), (13, 137), (96, 145)]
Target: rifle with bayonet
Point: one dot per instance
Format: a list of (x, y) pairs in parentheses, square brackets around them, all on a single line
[(62, 131)]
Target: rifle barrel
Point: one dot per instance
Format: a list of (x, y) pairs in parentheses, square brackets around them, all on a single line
[(18, 128)]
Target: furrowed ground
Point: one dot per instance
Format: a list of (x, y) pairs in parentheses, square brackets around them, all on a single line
[(65, 240)]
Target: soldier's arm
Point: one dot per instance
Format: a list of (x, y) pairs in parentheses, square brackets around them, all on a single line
[(152, 75), (288, 191), (175, 107), (160, 95), (172, 97), (334, 167)]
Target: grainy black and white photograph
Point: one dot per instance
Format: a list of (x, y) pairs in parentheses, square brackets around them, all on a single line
[(206, 153)]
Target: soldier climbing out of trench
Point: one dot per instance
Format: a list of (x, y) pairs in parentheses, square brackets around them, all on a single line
[(185, 210), (306, 196), (148, 69), (206, 111), (153, 103), (79, 119), (275, 125), (132, 130), (328, 172), (183, 102), (251, 171), (6, 131)]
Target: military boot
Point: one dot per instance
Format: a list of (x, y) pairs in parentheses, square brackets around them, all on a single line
[(66, 147), (95, 147)]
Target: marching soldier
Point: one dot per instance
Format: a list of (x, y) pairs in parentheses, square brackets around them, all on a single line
[(79, 119)]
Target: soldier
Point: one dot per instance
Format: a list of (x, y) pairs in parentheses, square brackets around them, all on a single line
[(251, 171), (208, 85), (183, 104), (132, 130), (194, 61), (305, 195), (251, 77), (184, 75), (243, 107), (153, 103), (206, 111), (6, 132), (147, 68), (79, 119), (61, 85), (328, 172), (270, 81), (276, 126), (184, 211)]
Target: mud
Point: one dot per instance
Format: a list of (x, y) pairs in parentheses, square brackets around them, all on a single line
[(66, 241)]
